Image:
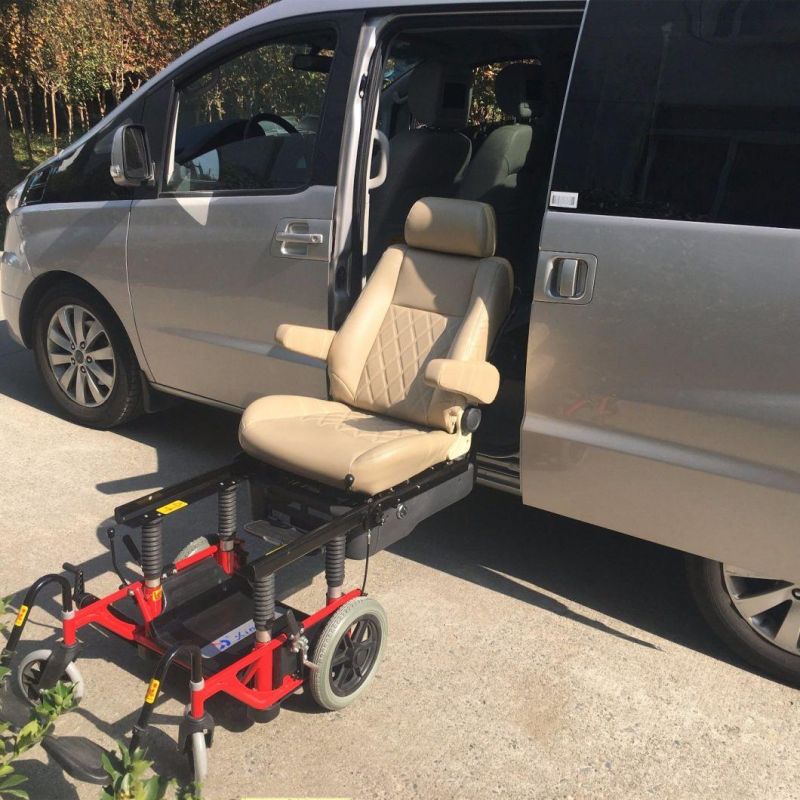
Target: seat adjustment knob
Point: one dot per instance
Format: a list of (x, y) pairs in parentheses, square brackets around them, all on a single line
[(470, 419)]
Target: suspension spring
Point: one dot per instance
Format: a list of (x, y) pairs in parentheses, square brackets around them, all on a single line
[(334, 565), (264, 602), (152, 551), (226, 503)]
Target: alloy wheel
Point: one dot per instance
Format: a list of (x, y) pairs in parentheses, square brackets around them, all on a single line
[(771, 607), (81, 356)]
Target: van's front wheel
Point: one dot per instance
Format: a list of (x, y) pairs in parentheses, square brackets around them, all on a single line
[(756, 616), (85, 358)]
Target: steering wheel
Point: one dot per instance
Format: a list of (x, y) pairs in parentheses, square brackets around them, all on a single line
[(267, 116)]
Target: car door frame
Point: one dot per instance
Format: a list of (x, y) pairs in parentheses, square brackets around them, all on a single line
[(160, 118)]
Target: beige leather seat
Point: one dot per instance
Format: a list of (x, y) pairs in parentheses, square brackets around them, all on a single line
[(408, 360)]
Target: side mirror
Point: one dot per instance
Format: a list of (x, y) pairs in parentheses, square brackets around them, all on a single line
[(131, 164)]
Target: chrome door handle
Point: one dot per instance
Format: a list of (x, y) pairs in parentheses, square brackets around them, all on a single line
[(299, 238), (306, 239)]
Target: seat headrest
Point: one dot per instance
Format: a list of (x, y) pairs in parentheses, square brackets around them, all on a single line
[(458, 227), (440, 96), (519, 89)]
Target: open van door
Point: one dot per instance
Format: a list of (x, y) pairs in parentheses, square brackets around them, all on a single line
[(663, 383)]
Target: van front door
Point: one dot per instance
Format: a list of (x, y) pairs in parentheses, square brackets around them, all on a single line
[(663, 381), (238, 239)]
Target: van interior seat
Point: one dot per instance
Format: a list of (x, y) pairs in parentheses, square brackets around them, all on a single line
[(409, 358), (425, 161), (502, 171)]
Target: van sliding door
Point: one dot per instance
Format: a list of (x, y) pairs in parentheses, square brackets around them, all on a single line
[(663, 381)]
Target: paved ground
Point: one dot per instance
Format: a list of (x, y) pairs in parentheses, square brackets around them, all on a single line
[(529, 657)]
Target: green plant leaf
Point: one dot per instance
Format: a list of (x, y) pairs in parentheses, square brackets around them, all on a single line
[(22, 794)]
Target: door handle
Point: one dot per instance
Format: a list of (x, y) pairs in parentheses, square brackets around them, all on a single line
[(567, 274), (565, 278), (306, 239), (295, 237)]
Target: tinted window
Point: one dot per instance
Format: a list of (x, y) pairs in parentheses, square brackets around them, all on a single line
[(83, 175), (252, 123), (685, 109)]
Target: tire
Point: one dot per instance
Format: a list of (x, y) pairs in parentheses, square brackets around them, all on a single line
[(30, 668), (111, 384), (197, 756), (195, 546), (329, 683), (722, 593)]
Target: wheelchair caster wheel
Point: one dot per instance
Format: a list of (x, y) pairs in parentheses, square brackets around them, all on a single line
[(347, 653), (195, 546), (197, 755), (30, 671)]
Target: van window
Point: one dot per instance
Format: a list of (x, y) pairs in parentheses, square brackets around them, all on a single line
[(251, 124), (685, 109), (82, 175)]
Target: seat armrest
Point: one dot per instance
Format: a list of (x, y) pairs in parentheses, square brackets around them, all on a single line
[(477, 381), (311, 342)]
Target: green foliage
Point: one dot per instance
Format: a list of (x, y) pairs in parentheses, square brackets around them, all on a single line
[(129, 779), (52, 704), (65, 63), (130, 773), (4, 671)]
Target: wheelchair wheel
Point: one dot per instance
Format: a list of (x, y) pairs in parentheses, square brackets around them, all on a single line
[(347, 653), (30, 671), (197, 754), (195, 546)]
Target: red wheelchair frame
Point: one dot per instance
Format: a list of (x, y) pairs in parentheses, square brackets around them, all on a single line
[(275, 666)]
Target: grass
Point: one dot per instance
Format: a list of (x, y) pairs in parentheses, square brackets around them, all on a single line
[(41, 146)]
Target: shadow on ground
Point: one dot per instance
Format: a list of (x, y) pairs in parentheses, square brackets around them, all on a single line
[(489, 539)]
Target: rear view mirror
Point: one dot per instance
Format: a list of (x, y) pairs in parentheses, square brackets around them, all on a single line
[(131, 164), (311, 62)]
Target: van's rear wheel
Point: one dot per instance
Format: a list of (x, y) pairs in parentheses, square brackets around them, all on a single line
[(85, 358), (756, 616)]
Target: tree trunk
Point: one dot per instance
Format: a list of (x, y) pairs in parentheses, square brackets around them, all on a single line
[(45, 111), (54, 111), (70, 113), (29, 93), (8, 167), (6, 109), (25, 128)]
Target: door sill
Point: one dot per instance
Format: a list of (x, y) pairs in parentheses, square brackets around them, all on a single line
[(500, 473)]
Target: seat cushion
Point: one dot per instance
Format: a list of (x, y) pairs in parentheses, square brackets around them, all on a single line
[(326, 441)]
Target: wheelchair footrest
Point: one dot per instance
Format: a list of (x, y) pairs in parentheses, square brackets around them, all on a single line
[(79, 757), (271, 533)]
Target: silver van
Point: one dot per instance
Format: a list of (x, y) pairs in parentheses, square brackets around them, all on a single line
[(641, 158)]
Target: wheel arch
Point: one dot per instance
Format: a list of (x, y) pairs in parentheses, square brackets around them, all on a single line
[(43, 284)]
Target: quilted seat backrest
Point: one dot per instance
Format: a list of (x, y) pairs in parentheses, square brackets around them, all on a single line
[(442, 294)]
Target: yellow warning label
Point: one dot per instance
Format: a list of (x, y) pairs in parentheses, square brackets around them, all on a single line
[(175, 505), (152, 691), (23, 612), (156, 595)]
